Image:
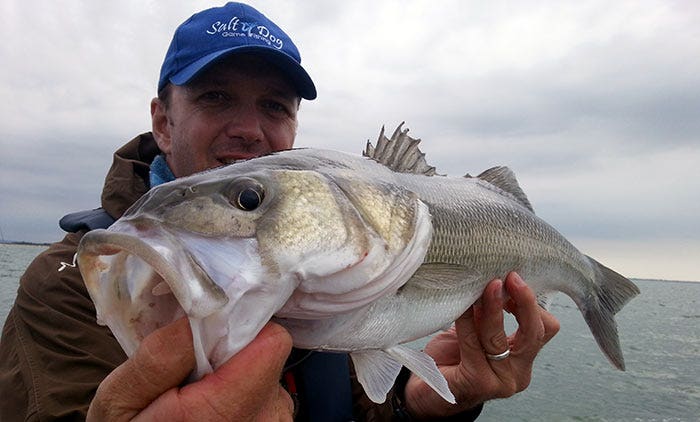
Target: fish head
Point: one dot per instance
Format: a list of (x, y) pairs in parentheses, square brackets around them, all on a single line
[(232, 247)]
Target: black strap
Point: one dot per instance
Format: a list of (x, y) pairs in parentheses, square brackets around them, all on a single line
[(86, 220), (323, 382)]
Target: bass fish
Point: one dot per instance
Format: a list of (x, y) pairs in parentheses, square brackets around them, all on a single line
[(351, 254)]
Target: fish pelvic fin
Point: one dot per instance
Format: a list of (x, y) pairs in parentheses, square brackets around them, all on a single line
[(377, 371), (613, 292), (503, 178), (400, 153)]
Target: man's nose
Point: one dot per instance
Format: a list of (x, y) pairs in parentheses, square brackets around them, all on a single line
[(245, 123)]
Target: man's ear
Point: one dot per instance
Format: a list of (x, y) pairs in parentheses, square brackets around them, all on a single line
[(160, 126)]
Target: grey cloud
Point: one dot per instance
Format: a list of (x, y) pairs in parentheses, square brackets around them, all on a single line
[(46, 178), (594, 104)]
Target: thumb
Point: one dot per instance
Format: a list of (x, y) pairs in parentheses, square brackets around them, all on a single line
[(246, 387), (249, 380), (163, 360)]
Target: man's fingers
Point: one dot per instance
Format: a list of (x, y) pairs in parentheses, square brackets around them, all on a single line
[(550, 323), (163, 360), (259, 362), (246, 387), (490, 319), (526, 309), (535, 325), (249, 381)]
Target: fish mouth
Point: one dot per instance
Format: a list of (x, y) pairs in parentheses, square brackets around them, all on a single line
[(233, 159), (141, 276), (141, 283)]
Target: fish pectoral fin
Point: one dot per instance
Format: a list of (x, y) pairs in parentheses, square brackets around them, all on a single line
[(424, 367), (442, 276), (376, 371)]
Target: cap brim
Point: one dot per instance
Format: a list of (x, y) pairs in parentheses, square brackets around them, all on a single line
[(298, 76)]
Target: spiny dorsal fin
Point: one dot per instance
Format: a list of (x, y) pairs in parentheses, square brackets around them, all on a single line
[(504, 178), (400, 153)]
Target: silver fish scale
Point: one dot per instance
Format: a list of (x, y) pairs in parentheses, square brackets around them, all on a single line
[(487, 232)]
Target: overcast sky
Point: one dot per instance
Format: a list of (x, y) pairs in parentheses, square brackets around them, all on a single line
[(594, 104)]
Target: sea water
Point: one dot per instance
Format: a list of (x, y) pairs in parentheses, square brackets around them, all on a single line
[(13, 261), (572, 380)]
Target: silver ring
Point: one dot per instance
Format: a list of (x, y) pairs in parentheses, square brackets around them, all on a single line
[(499, 356)]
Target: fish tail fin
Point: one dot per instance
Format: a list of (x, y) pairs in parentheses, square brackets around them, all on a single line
[(613, 292)]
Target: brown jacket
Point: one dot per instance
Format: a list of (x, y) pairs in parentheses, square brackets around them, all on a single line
[(53, 355)]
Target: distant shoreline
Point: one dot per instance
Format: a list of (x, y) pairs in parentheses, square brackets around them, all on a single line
[(667, 281), (11, 242)]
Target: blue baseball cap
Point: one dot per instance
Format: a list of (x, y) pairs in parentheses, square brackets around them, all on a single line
[(233, 28)]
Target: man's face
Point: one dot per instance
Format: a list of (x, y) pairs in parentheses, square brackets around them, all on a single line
[(240, 108)]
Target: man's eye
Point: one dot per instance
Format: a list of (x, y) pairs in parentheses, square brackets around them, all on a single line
[(214, 96), (276, 107)]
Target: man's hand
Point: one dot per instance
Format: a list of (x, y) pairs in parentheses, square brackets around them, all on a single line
[(460, 353), (245, 388)]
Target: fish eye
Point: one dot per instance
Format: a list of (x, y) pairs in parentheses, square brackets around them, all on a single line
[(249, 199), (247, 194)]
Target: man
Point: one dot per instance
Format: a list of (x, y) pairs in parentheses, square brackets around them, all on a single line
[(230, 89)]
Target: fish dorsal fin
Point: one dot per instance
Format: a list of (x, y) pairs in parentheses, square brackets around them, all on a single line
[(399, 153), (504, 178)]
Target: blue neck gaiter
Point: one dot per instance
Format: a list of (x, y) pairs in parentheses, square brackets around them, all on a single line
[(160, 172)]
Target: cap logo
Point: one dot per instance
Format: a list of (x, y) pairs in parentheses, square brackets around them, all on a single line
[(237, 28)]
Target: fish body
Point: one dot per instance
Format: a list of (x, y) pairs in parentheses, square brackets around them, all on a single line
[(351, 254)]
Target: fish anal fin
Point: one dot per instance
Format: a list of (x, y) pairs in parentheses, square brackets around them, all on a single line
[(400, 153), (545, 299), (376, 371), (504, 178), (425, 368)]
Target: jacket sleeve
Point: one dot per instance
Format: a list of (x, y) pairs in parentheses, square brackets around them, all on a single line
[(53, 355)]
